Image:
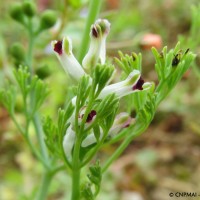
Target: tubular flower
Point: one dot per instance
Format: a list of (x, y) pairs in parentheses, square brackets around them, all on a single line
[(68, 142), (63, 50), (123, 120), (133, 83), (97, 49)]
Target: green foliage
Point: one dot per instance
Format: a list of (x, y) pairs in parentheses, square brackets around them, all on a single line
[(55, 132), (102, 75), (39, 93), (34, 92), (83, 91), (107, 107), (129, 63), (170, 67), (91, 189), (22, 77), (8, 98)]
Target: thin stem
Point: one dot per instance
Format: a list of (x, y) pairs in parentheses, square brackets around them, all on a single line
[(17, 124), (76, 171), (26, 137), (42, 193), (94, 151), (43, 156), (40, 137), (30, 48), (94, 9)]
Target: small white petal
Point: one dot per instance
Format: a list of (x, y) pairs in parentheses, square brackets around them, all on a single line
[(91, 139), (68, 142)]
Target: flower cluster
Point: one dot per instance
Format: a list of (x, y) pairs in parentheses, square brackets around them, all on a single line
[(96, 54)]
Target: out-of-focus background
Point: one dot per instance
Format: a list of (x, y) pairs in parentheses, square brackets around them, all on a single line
[(166, 158)]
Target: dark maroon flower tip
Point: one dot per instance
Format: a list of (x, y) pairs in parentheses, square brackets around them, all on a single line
[(94, 32), (139, 84), (91, 115), (58, 47)]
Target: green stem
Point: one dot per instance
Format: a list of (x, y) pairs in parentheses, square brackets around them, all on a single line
[(30, 48), (17, 124), (94, 151), (94, 9), (123, 145), (40, 138), (76, 170), (43, 191), (43, 157)]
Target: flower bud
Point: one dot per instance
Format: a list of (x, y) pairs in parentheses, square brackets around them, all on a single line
[(48, 19), (29, 8), (122, 120), (68, 142), (16, 12), (17, 51), (63, 50), (97, 49)]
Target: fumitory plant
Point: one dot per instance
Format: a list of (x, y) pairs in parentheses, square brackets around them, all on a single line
[(95, 116)]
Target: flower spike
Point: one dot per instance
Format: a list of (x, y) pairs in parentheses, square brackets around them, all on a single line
[(63, 50), (97, 49)]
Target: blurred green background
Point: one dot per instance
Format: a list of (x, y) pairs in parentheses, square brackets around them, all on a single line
[(164, 159)]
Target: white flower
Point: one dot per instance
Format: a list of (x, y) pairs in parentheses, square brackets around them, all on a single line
[(133, 83), (63, 50), (68, 142), (91, 139), (97, 49), (122, 120)]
